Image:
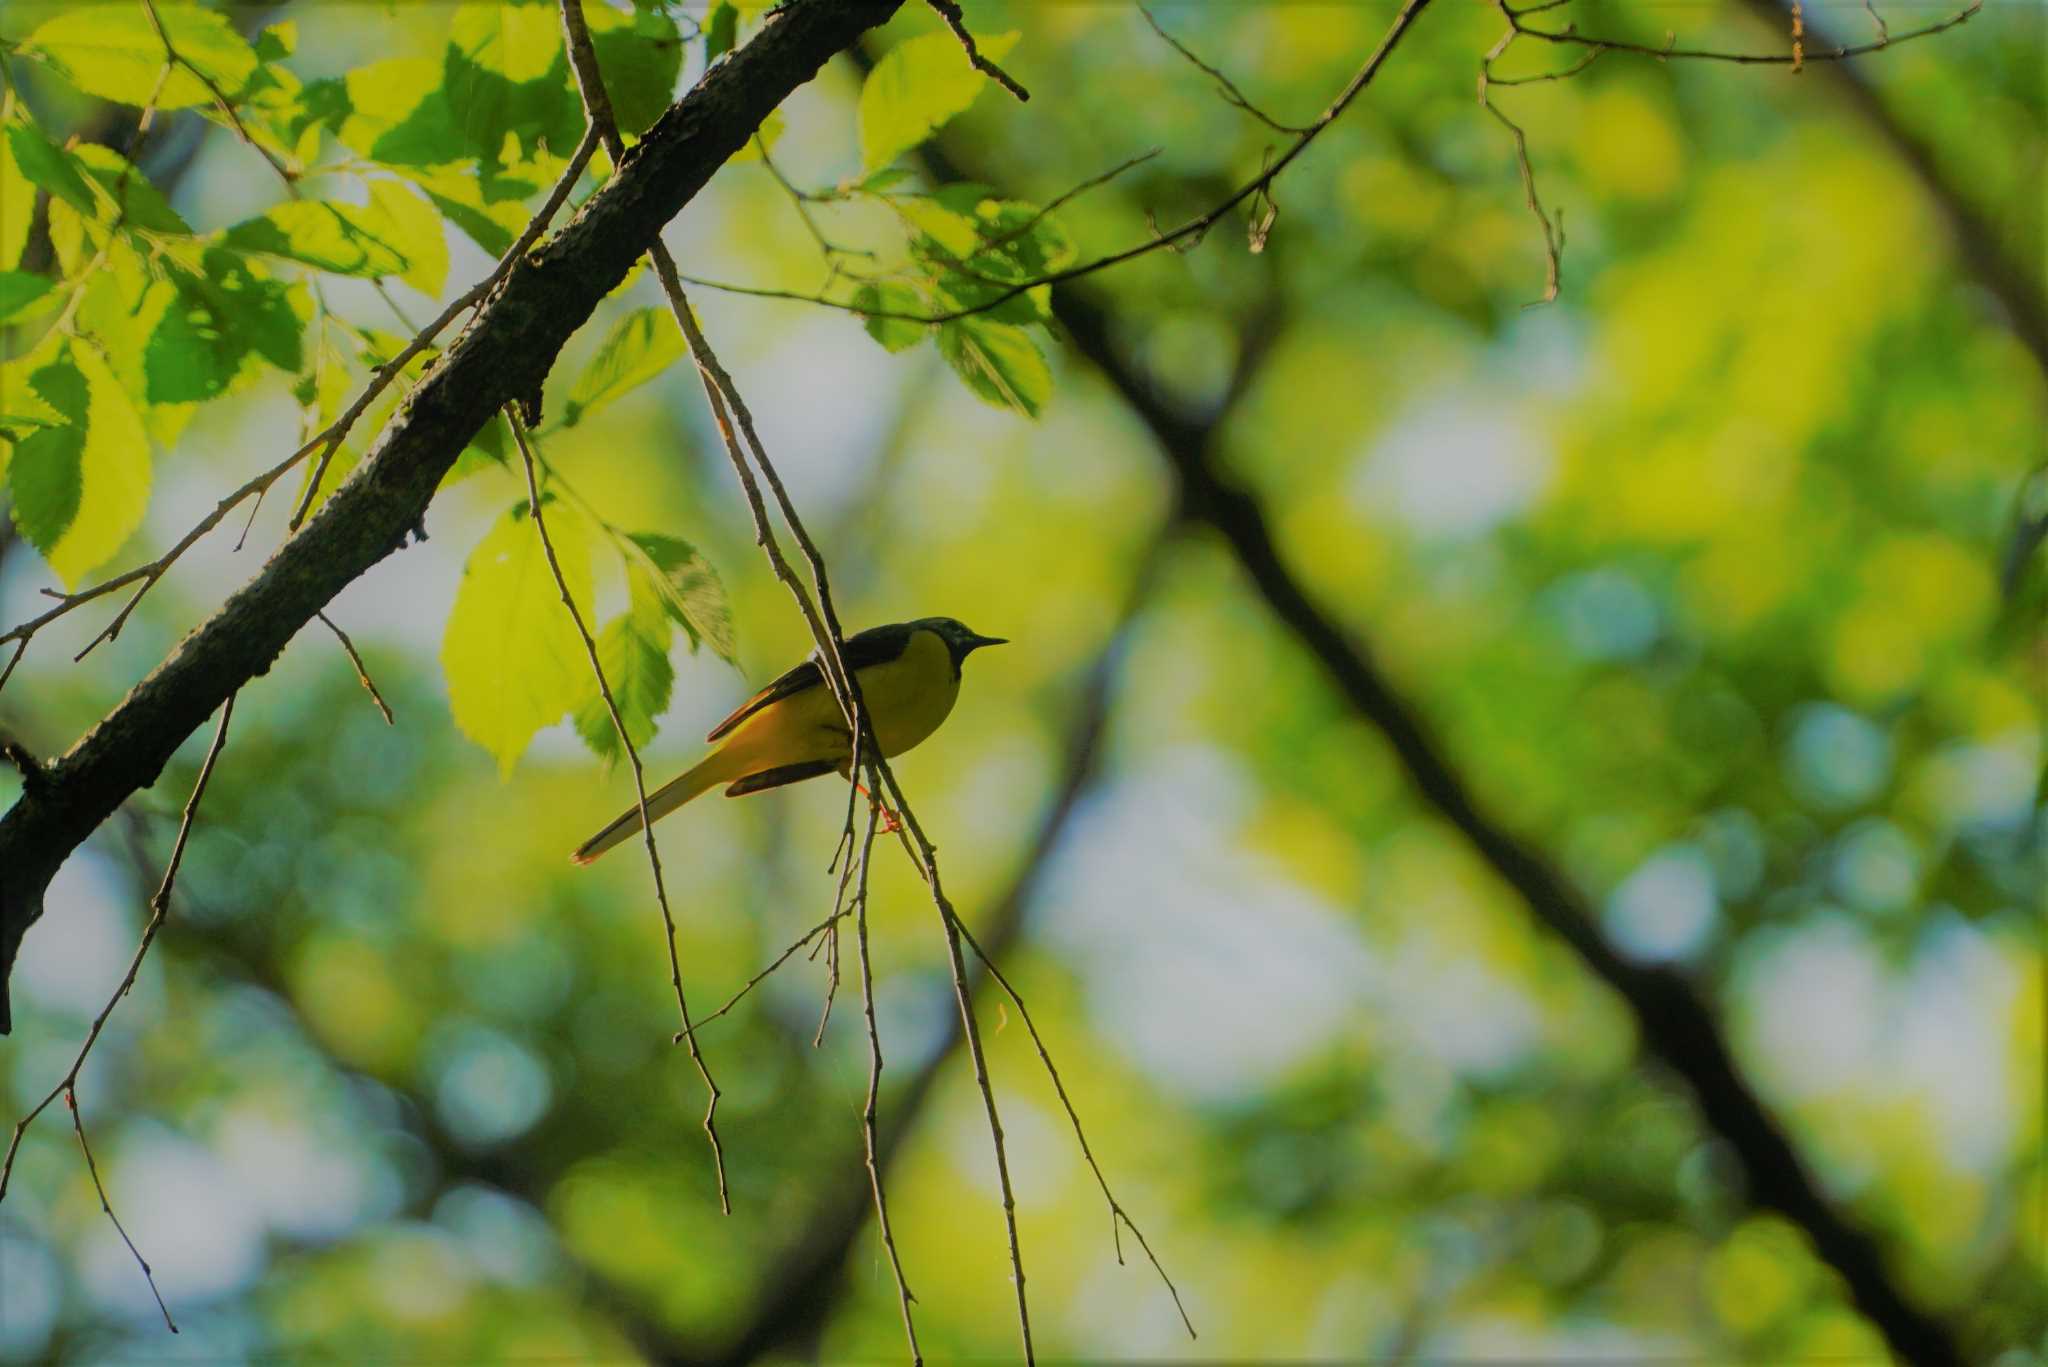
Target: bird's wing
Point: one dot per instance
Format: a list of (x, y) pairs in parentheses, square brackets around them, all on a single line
[(876, 645)]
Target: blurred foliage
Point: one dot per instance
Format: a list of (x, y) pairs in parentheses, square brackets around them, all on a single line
[(1701, 576)]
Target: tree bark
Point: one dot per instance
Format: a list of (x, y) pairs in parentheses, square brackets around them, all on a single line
[(502, 356)]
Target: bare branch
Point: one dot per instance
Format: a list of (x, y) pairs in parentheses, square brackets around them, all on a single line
[(159, 909), (1798, 56)]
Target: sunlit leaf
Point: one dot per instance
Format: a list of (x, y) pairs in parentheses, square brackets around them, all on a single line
[(80, 489), (19, 289), (633, 648), (219, 317), (46, 473), (639, 347), (514, 661), (999, 362), (50, 167), (345, 239), (115, 53), (416, 232), (884, 296), (690, 591), (641, 55), (17, 201), (138, 203), (915, 89)]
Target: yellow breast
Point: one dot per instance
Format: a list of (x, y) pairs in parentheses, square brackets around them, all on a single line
[(910, 695)]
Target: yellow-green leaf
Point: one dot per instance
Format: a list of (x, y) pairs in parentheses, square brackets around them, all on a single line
[(345, 239), (999, 362), (514, 661), (80, 489), (17, 204), (115, 52), (689, 590), (416, 233), (912, 92), (640, 346), (634, 651)]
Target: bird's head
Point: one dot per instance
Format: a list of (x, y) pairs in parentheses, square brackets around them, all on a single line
[(960, 639)]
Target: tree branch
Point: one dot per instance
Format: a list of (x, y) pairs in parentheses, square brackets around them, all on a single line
[(1676, 1025), (504, 354)]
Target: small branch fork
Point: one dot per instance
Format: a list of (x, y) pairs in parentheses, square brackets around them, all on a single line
[(67, 1086), (611, 706), (1551, 222)]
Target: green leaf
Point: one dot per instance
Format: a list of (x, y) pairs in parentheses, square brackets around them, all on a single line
[(19, 289), (343, 239), (80, 490), (766, 135), (633, 648), (721, 30), (217, 319), (46, 475), (915, 89), (50, 167), (896, 334), (492, 225), (640, 346), (278, 41), (138, 203), (999, 362), (415, 230), (641, 55), (514, 661), (115, 53), (17, 205), (486, 451), (690, 591)]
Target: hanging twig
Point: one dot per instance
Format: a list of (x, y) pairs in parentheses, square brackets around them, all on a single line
[(611, 706), (159, 909), (362, 674)]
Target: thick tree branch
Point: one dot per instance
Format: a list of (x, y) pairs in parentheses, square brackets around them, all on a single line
[(504, 355), (1677, 1026)]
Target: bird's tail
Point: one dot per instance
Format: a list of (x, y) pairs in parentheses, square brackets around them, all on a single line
[(689, 784)]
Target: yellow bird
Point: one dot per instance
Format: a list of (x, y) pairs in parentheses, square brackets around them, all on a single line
[(909, 675)]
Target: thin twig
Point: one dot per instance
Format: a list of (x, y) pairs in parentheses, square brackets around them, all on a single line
[(949, 11), (362, 674), (868, 1110), (1225, 86), (604, 688), (1117, 1214), (92, 1168), (1797, 57), (159, 909), (1553, 232)]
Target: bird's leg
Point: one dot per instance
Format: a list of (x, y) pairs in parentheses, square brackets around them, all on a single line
[(890, 824)]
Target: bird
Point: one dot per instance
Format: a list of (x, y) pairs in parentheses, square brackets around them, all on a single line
[(909, 676)]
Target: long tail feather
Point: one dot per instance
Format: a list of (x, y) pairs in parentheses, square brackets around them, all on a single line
[(663, 800)]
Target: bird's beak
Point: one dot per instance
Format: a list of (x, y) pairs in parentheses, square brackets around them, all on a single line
[(976, 643)]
